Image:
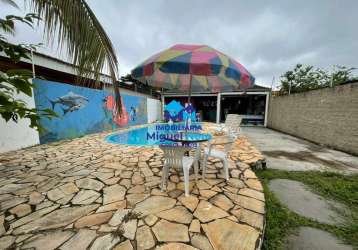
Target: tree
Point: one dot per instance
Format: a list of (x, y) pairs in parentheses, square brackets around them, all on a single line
[(14, 82), (74, 27), (341, 74), (304, 78)]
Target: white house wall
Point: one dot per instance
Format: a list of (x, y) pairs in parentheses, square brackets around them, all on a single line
[(153, 110), (18, 135)]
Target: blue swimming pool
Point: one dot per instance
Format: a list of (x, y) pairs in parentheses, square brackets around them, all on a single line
[(151, 135)]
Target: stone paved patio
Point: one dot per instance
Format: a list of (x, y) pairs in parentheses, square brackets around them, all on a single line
[(89, 194)]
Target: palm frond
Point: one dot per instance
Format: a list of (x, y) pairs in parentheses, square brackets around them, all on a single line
[(7, 26), (10, 2), (80, 35)]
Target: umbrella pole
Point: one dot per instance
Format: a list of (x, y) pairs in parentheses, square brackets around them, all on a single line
[(189, 97)]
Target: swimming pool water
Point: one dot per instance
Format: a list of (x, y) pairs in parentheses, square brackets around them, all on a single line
[(147, 136)]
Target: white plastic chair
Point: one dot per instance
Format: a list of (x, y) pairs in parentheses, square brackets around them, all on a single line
[(231, 125), (221, 154), (174, 157)]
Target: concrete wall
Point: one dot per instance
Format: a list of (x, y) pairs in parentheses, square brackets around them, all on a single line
[(14, 136), (154, 110), (18, 135), (328, 116)]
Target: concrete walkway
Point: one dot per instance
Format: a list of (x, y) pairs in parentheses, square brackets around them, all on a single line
[(299, 199), (286, 152), (314, 239)]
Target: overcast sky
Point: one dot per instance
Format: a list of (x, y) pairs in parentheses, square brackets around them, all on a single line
[(267, 37)]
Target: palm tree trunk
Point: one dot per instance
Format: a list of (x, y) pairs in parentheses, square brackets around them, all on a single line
[(117, 94)]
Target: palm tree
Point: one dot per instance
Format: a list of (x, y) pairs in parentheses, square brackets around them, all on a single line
[(80, 35)]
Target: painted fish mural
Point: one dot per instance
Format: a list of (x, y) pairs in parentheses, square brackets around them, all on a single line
[(69, 102), (86, 110)]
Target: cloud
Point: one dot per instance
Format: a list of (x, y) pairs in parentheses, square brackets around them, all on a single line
[(267, 37)]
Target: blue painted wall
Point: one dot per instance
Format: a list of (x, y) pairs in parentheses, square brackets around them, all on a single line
[(81, 110)]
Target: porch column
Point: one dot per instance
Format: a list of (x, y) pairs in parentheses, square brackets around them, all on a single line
[(162, 111), (266, 108), (218, 108)]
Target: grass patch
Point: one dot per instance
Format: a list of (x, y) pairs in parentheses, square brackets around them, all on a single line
[(280, 221)]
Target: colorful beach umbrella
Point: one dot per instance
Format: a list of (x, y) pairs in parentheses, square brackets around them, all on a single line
[(197, 68)]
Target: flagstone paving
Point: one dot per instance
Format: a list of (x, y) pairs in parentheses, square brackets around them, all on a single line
[(88, 194)]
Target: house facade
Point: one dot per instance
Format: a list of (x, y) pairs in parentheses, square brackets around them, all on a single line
[(251, 104)]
